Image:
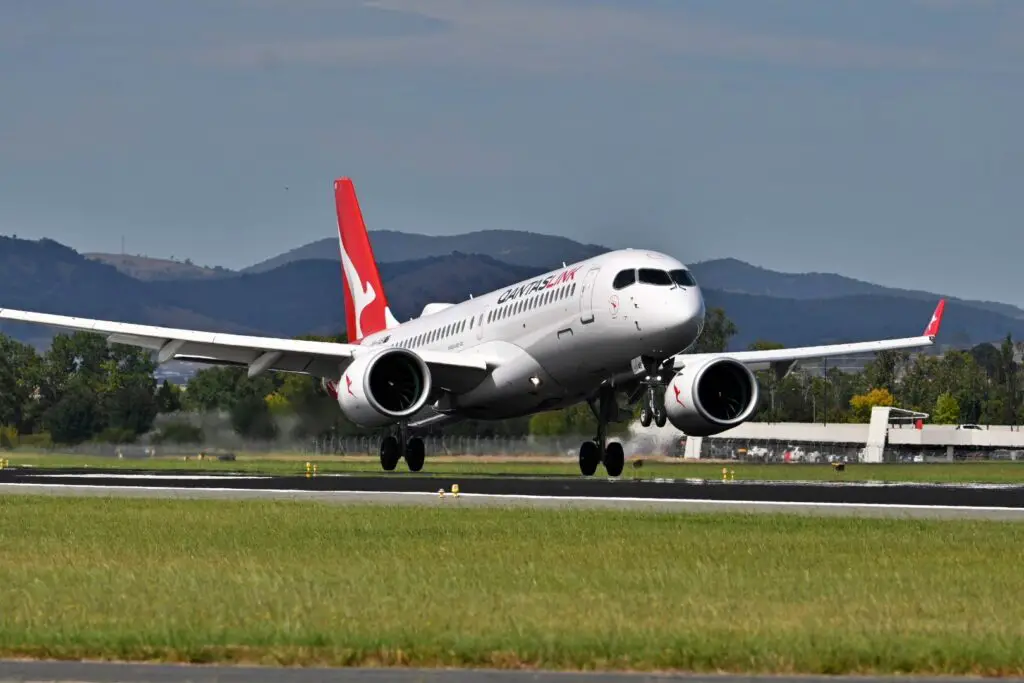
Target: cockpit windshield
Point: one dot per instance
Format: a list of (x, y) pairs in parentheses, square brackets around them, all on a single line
[(653, 276), (624, 279), (683, 278)]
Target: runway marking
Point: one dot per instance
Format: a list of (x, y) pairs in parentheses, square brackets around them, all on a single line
[(523, 496), (97, 475)]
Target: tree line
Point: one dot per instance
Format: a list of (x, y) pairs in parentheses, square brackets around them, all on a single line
[(83, 389)]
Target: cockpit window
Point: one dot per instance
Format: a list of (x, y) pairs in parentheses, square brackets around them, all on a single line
[(651, 276), (683, 278), (624, 279)]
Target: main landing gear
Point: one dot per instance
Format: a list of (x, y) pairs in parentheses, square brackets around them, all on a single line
[(392, 450), (597, 451)]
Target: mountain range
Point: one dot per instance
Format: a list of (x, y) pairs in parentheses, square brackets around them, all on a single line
[(300, 292)]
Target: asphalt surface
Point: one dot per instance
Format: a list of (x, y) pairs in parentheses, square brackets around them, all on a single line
[(75, 672), (1004, 502)]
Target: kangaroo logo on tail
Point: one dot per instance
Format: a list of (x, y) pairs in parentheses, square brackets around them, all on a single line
[(366, 306)]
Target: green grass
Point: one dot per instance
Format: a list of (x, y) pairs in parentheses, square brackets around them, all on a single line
[(990, 472), (300, 583)]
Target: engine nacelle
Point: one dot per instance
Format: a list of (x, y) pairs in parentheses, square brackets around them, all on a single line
[(383, 387), (711, 397)]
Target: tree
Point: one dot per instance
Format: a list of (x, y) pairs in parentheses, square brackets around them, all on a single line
[(74, 417), (168, 398), (129, 411), (863, 403), (885, 370), (718, 330), (768, 381), (1009, 378), (550, 423), (251, 418), (19, 376), (278, 404), (947, 410)]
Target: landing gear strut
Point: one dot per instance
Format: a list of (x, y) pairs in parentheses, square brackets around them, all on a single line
[(597, 451), (393, 449)]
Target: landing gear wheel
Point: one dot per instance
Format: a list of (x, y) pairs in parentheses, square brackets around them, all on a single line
[(645, 414), (389, 453), (614, 459), (660, 415), (415, 454), (589, 458)]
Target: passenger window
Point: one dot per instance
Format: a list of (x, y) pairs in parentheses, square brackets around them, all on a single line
[(624, 279), (652, 276)]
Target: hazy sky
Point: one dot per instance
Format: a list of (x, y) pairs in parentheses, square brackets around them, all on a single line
[(878, 139)]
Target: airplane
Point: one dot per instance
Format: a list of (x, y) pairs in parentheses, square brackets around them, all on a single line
[(618, 325)]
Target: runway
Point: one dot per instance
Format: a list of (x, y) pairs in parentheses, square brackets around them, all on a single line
[(978, 501), (98, 672)]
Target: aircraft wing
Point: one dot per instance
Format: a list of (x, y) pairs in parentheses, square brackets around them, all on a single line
[(259, 354), (783, 360)]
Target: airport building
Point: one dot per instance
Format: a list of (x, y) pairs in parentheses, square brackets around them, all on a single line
[(892, 435)]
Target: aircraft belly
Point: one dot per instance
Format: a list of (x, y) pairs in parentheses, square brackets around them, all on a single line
[(583, 355), (518, 386)]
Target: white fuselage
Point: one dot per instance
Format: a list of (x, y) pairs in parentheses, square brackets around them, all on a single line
[(553, 339)]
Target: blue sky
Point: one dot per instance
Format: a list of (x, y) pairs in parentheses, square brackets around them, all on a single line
[(880, 139)]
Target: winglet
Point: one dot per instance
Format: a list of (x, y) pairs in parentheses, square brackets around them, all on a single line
[(936, 322)]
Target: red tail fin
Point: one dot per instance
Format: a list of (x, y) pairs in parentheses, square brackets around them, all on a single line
[(936, 322), (366, 307)]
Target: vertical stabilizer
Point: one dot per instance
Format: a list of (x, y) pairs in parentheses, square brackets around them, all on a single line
[(366, 306)]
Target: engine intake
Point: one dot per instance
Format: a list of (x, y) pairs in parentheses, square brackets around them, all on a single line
[(711, 397), (383, 387)]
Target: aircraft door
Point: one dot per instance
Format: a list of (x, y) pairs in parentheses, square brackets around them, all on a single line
[(587, 297)]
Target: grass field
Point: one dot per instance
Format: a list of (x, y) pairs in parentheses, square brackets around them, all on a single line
[(311, 584), (991, 472)]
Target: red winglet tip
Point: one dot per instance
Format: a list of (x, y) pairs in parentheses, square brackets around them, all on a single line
[(936, 322)]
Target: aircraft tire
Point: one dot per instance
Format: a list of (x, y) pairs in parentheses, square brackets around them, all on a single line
[(415, 454), (645, 415), (389, 453), (588, 458), (660, 415), (614, 459)]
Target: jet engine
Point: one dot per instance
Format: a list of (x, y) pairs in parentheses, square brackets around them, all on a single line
[(710, 397), (383, 387)]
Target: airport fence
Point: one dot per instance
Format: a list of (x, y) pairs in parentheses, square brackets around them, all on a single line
[(669, 445)]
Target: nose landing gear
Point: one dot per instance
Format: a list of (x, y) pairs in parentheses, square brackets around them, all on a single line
[(653, 410)]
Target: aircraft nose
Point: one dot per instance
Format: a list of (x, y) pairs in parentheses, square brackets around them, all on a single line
[(694, 309)]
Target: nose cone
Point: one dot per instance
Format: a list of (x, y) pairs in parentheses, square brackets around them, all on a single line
[(693, 313), (680, 318)]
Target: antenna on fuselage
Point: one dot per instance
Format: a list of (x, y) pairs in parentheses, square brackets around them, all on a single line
[(563, 264)]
